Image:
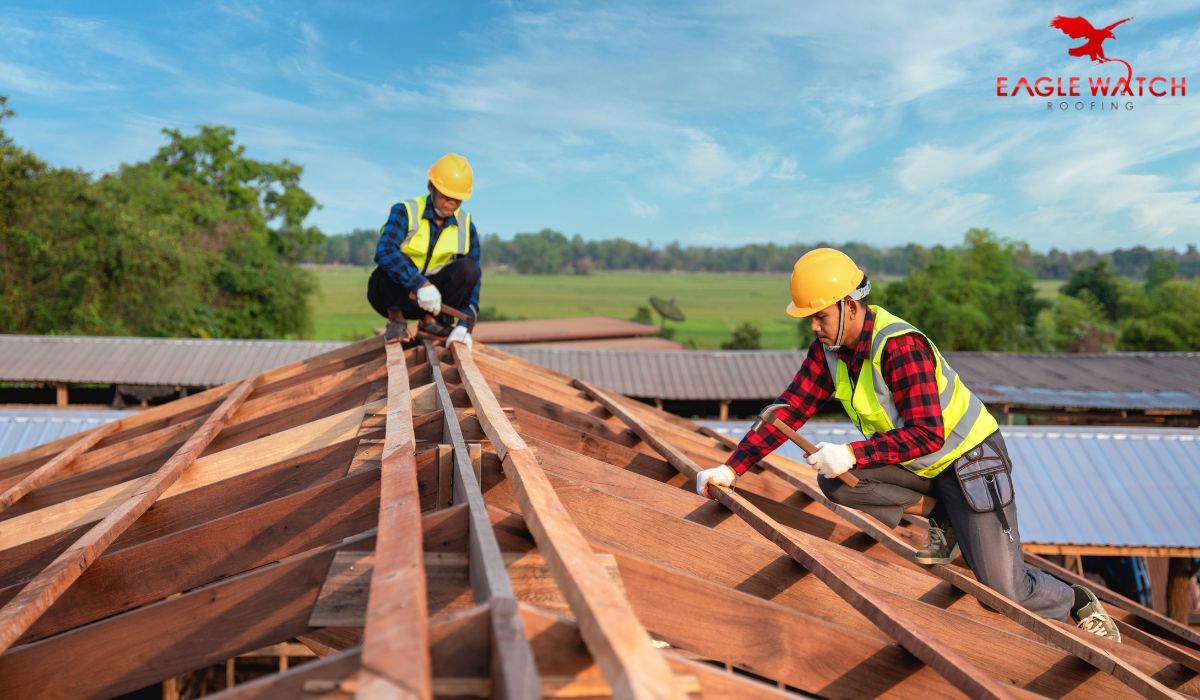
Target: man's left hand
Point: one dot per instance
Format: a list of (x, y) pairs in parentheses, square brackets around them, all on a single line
[(832, 459), (459, 335)]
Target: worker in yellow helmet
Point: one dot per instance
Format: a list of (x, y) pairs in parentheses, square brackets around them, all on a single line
[(930, 447), (428, 257)]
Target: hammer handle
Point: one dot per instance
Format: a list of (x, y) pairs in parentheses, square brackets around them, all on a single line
[(809, 448), (445, 309)]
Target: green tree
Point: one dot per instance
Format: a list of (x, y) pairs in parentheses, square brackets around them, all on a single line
[(971, 298), (1159, 271), (151, 249), (269, 193), (1165, 318), (747, 336), (1098, 283)]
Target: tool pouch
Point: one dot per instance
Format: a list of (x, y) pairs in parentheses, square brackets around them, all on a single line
[(985, 476)]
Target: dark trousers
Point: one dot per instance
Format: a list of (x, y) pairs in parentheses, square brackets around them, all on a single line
[(884, 492), (455, 281)]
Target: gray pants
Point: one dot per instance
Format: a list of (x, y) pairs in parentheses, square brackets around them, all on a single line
[(884, 492)]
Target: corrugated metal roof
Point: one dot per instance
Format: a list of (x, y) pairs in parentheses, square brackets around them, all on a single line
[(560, 329), (654, 343), (1135, 487), (22, 429), (168, 361), (1110, 381)]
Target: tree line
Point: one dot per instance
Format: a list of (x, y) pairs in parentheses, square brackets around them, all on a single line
[(197, 241), (551, 252)]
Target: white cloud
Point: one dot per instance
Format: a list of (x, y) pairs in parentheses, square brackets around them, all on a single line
[(643, 210)]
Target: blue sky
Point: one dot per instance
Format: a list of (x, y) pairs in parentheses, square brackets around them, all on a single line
[(713, 122)]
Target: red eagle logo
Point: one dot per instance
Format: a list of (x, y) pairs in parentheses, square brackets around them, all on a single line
[(1080, 28)]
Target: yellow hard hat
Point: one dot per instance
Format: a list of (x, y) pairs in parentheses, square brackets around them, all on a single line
[(451, 175), (820, 279)]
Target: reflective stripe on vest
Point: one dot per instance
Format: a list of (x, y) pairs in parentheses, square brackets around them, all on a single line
[(869, 404), (454, 240)]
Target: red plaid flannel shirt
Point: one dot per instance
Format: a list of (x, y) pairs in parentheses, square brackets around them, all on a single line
[(909, 370)]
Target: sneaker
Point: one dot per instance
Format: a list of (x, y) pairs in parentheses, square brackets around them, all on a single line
[(942, 546), (1091, 616)]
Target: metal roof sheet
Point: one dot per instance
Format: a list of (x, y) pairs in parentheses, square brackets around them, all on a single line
[(171, 361), (1091, 380), (560, 329), (22, 429), (1083, 485)]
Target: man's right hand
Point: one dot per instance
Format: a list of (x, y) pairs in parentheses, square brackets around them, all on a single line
[(429, 299), (721, 476)]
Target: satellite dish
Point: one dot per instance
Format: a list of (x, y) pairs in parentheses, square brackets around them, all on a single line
[(666, 308)]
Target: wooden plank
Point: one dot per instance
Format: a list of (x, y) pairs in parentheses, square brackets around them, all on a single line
[(22, 611), (204, 472), (445, 489), (201, 627), (1090, 651), (514, 674), (342, 601), (753, 566), (57, 465), (914, 636), (1104, 550), (617, 640), (396, 638), (140, 574)]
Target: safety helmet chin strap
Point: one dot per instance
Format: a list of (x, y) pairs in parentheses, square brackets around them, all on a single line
[(856, 295)]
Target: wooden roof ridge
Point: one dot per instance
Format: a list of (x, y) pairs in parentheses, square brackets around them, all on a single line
[(443, 522)]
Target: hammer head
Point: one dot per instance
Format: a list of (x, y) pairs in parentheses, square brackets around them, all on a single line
[(765, 415)]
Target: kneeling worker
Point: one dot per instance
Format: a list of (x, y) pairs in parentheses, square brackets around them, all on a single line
[(931, 447), (428, 256)]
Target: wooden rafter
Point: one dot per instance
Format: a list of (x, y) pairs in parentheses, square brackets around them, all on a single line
[(39, 594), (396, 661), (909, 631), (1080, 647), (57, 465), (618, 642), (514, 674)]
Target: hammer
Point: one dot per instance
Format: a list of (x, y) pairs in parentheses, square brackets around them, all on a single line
[(767, 416), (448, 310)]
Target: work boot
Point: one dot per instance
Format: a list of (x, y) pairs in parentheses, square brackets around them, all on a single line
[(942, 546), (433, 327), (1091, 616), (395, 332)]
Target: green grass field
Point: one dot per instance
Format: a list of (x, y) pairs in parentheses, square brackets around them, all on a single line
[(713, 303)]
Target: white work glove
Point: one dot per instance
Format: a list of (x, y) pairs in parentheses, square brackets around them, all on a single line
[(721, 476), (831, 459), (429, 299), (459, 335)]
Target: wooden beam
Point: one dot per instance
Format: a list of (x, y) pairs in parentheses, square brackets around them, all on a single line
[(226, 546), (514, 674), (57, 465), (1089, 651), (912, 633), (204, 472), (200, 627), (396, 638), (656, 529), (22, 611), (1107, 550), (617, 640)]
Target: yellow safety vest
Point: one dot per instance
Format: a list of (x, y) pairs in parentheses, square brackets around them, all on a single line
[(454, 240), (868, 401)]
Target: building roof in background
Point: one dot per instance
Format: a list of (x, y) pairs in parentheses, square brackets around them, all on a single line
[(560, 329), (1105, 487), (21, 429), (170, 361), (621, 356), (1084, 380)]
